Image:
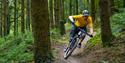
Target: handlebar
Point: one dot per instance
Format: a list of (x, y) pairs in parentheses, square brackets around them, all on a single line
[(82, 30), (85, 32)]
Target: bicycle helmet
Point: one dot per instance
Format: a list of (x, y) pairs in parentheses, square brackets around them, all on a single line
[(85, 12)]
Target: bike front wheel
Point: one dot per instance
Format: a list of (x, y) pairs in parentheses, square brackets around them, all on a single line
[(70, 49)]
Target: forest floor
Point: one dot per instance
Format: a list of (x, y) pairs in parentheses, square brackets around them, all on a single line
[(76, 57), (72, 59), (96, 54)]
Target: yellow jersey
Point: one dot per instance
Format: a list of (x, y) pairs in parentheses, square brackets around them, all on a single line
[(80, 21)]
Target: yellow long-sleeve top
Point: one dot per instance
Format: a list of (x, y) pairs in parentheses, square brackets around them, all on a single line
[(80, 21)]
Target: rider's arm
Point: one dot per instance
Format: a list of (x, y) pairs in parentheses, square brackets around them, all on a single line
[(90, 25), (91, 31), (74, 17), (71, 18)]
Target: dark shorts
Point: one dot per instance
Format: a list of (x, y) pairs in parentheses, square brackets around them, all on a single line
[(75, 30)]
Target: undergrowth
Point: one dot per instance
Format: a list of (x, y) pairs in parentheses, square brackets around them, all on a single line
[(16, 49)]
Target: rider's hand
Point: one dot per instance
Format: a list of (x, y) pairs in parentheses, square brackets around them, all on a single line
[(90, 34)]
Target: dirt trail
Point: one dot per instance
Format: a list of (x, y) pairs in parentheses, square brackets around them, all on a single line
[(74, 58)]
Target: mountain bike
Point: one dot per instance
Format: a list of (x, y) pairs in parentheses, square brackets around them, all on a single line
[(78, 38)]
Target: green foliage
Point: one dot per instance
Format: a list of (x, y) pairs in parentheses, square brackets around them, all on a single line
[(118, 3), (117, 22), (95, 40), (54, 33), (68, 26), (16, 49), (56, 37)]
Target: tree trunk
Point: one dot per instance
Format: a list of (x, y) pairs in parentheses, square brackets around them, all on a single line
[(22, 17), (7, 18), (124, 3), (73, 7), (63, 11), (70, 6), (1, 19), (5, 4), (40, 25), (51, 13), (56, 11), (28, 16), (76, 6), (93, 10), (106, 33), (62, 27), (8, 22), (15, 17), (17, 20), (112, 7)]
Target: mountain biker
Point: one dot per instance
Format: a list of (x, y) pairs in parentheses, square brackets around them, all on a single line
[(83, 21)]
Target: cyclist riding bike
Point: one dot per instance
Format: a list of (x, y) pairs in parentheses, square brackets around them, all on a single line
[(83, 21)]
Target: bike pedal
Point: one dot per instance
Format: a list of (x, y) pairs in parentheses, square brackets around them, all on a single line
[(79, 45)]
